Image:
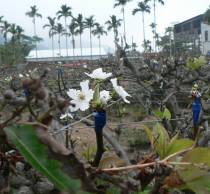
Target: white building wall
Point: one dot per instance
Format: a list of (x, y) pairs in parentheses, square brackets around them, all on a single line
[(205, 44)]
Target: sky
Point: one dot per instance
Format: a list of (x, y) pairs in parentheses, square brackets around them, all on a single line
[(173, 11)]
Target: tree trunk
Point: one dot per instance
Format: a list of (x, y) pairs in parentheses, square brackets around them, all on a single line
[(99, 39), (53, 54), (123, 11), (59, 44), (73, 45), (154, 6), (143, 26), (34, 22), (66, 39), (91, 44), (80, 39)]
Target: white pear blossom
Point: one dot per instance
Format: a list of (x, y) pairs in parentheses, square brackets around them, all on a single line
[(66, 115), (99, 74), (8, 79), (120, 90), (104, 96), (81, 98), (20, 75)]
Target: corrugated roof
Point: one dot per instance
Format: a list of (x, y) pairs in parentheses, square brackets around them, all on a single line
[(48, 53)]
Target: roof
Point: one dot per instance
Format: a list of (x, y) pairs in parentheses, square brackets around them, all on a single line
[(191, 19), (48, 53)]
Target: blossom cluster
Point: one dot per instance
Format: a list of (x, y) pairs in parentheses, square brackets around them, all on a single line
[(86, 97)]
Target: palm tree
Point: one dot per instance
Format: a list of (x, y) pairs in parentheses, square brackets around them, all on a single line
[(147, 46), (33, 13), (143, 8), (154, 12), (5, 29), (80, 29), (65, 12), (153, 27), (99, 31), (16, 32), (90, 23), (13, 32), (123, 4), (114, 24), (51, 26), (72, 32), (59, 30)]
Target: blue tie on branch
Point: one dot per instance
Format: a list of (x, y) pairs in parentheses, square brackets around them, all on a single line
[(100, 122)]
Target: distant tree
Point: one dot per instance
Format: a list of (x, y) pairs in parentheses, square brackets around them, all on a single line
[(154, 12), (5, 30), (90, 23), (99, 31), (65, 12), (134, 46), (60, 31), (122, 3), (147, 46), (73, 32), (153, 27), (142, 7), (80, 29), (33, 13), (207, 15), (51, 25), (114, 24)]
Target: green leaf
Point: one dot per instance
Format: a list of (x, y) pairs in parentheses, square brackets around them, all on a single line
[(166, 114), (198, 155), (150, 135), (177, 145), (195, 179), (196, 63), (161, 140), (196, 176), (26, 141), (158, 114)]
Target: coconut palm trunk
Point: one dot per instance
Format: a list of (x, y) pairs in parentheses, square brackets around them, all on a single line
[(154, 7), (59, 44), (91, 43), (67, 54), (34, 22), (80, 40), (73, 46), (143, 24), (99, 39), (124, 28), (52, 39)]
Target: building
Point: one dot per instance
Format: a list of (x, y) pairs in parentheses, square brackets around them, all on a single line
[(194, 34), (47, 55)]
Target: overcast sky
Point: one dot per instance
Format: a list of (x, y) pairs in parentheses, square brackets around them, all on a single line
[(172, 11)]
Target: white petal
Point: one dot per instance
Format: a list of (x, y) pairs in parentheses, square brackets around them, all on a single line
[(99, 74), (63, 116), (84, 105), (84, 86), (72, 93), (104, 96), (114, 82), (89, 95), (76, 105)]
